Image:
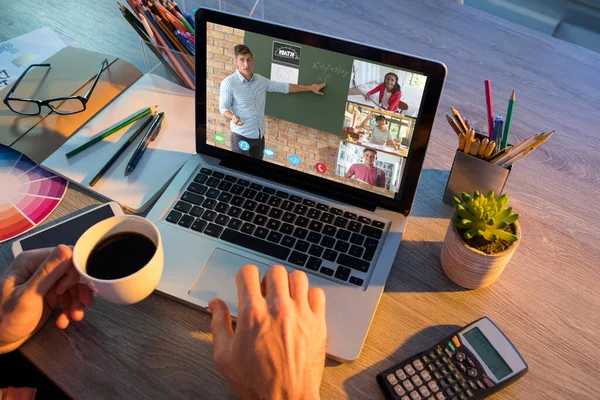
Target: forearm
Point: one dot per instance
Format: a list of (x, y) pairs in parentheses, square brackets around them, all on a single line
[(299, 88), (228, 114)]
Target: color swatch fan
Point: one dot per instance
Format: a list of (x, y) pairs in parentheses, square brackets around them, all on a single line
[(28, 193)]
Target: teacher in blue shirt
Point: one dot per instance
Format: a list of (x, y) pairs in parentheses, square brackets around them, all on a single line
[(243, 96)]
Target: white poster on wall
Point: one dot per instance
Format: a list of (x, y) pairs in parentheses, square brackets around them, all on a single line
[(281, 73)]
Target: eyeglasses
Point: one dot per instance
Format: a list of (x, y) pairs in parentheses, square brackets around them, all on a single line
[(61, 105)]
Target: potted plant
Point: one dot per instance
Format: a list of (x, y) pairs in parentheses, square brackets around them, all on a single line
[(480, 240)]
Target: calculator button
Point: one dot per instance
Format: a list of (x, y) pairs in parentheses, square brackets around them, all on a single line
[(458, 376), (443, 383), (455, 341), (424, 391), (438, 364), (405, 397), (480, 384), (452, 368), (425, 375), (392, 379), (399, 390), (408, 385), (426, 359), (445, 372), (449, 392), (439, 350), (473, 385), (446, 360), (409, 370), (451, 346), (460, 356), (462, 367), (456, 387), (450, 380), (487, 381), (432, 355), (469, 393), (472, 372), (463, 385), (400, 374), (433, 386), (414, 395), (440, 396), (417, 380), (462, 396), (448, 352), (471, 363), (418, 365), (437, 375), (431, 367)]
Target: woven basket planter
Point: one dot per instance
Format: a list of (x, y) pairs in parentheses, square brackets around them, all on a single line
[(472, 268)]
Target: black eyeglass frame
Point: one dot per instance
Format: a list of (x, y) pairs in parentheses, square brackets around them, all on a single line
[(47, 103)]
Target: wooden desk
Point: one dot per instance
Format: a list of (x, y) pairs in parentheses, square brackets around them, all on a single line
[(547, 300)]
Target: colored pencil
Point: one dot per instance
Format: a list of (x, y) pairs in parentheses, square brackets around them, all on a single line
[(103, 135), (459, 121), (455, 127), (509, 113), (490, 111)]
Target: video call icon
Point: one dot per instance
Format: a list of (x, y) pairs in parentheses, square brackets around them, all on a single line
[(245, 146), (269, 153), (219, 138), (294, 160)]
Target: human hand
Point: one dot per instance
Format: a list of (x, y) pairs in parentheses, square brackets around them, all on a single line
[(278, 348), (367, 96), (236, 120), (34, 284), (316, 88)]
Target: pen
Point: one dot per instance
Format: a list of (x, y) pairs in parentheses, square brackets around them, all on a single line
[(110, 131), (509, 113), (150, 136), (490, 112), (121, 150)]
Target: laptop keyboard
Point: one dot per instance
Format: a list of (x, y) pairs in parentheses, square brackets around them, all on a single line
[(301, 232)]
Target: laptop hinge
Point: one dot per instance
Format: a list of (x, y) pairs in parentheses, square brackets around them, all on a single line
[(310, 186)]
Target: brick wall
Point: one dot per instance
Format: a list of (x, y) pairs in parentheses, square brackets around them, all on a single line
[(285, 138)]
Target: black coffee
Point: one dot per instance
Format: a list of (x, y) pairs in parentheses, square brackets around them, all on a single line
[(120, 255)]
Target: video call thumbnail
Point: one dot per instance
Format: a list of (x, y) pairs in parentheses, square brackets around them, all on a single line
[(320, 112)]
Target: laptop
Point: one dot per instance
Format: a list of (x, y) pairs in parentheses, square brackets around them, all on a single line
[(332, 185)]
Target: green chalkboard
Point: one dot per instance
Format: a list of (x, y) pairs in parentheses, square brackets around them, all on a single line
[(325, 113)]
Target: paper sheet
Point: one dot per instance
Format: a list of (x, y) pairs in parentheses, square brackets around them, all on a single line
[(162, 159), (32, 48)]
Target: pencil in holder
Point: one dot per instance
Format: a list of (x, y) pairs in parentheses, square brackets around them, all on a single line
[(470, 173), (172, 65)]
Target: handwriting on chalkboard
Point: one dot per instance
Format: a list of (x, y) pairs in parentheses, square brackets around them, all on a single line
[(329, 71)]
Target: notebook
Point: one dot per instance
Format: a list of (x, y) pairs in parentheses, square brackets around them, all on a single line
[(160, 162)]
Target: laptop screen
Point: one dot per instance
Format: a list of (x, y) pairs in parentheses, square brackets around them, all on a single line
[(322, 112)]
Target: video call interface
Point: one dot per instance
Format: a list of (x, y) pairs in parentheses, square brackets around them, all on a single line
[(320, 112)]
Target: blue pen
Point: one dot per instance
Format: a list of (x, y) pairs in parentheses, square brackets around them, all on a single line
[(143, 145), (188, 18), (185, 41), (498, 131)]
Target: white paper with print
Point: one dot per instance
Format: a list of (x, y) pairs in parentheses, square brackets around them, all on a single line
[(281, 73), (32, 48)]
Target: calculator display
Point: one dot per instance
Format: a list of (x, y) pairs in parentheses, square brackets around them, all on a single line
[(487, 353)]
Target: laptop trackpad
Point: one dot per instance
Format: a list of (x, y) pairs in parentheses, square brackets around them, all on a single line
[(217, 278)]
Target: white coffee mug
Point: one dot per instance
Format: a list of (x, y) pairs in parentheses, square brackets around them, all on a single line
[(134, 287)]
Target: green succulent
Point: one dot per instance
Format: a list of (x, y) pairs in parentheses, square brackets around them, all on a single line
[(485, 216)]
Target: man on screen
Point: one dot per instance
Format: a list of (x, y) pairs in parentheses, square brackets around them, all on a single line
[(367, 172), (243, 96)]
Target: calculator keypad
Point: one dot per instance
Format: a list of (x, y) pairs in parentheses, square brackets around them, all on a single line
[(448, 371)]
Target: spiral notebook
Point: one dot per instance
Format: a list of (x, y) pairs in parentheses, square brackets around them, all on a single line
[(161, 160)]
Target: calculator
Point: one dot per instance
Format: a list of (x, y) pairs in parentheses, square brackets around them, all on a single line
[(472, 363)]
